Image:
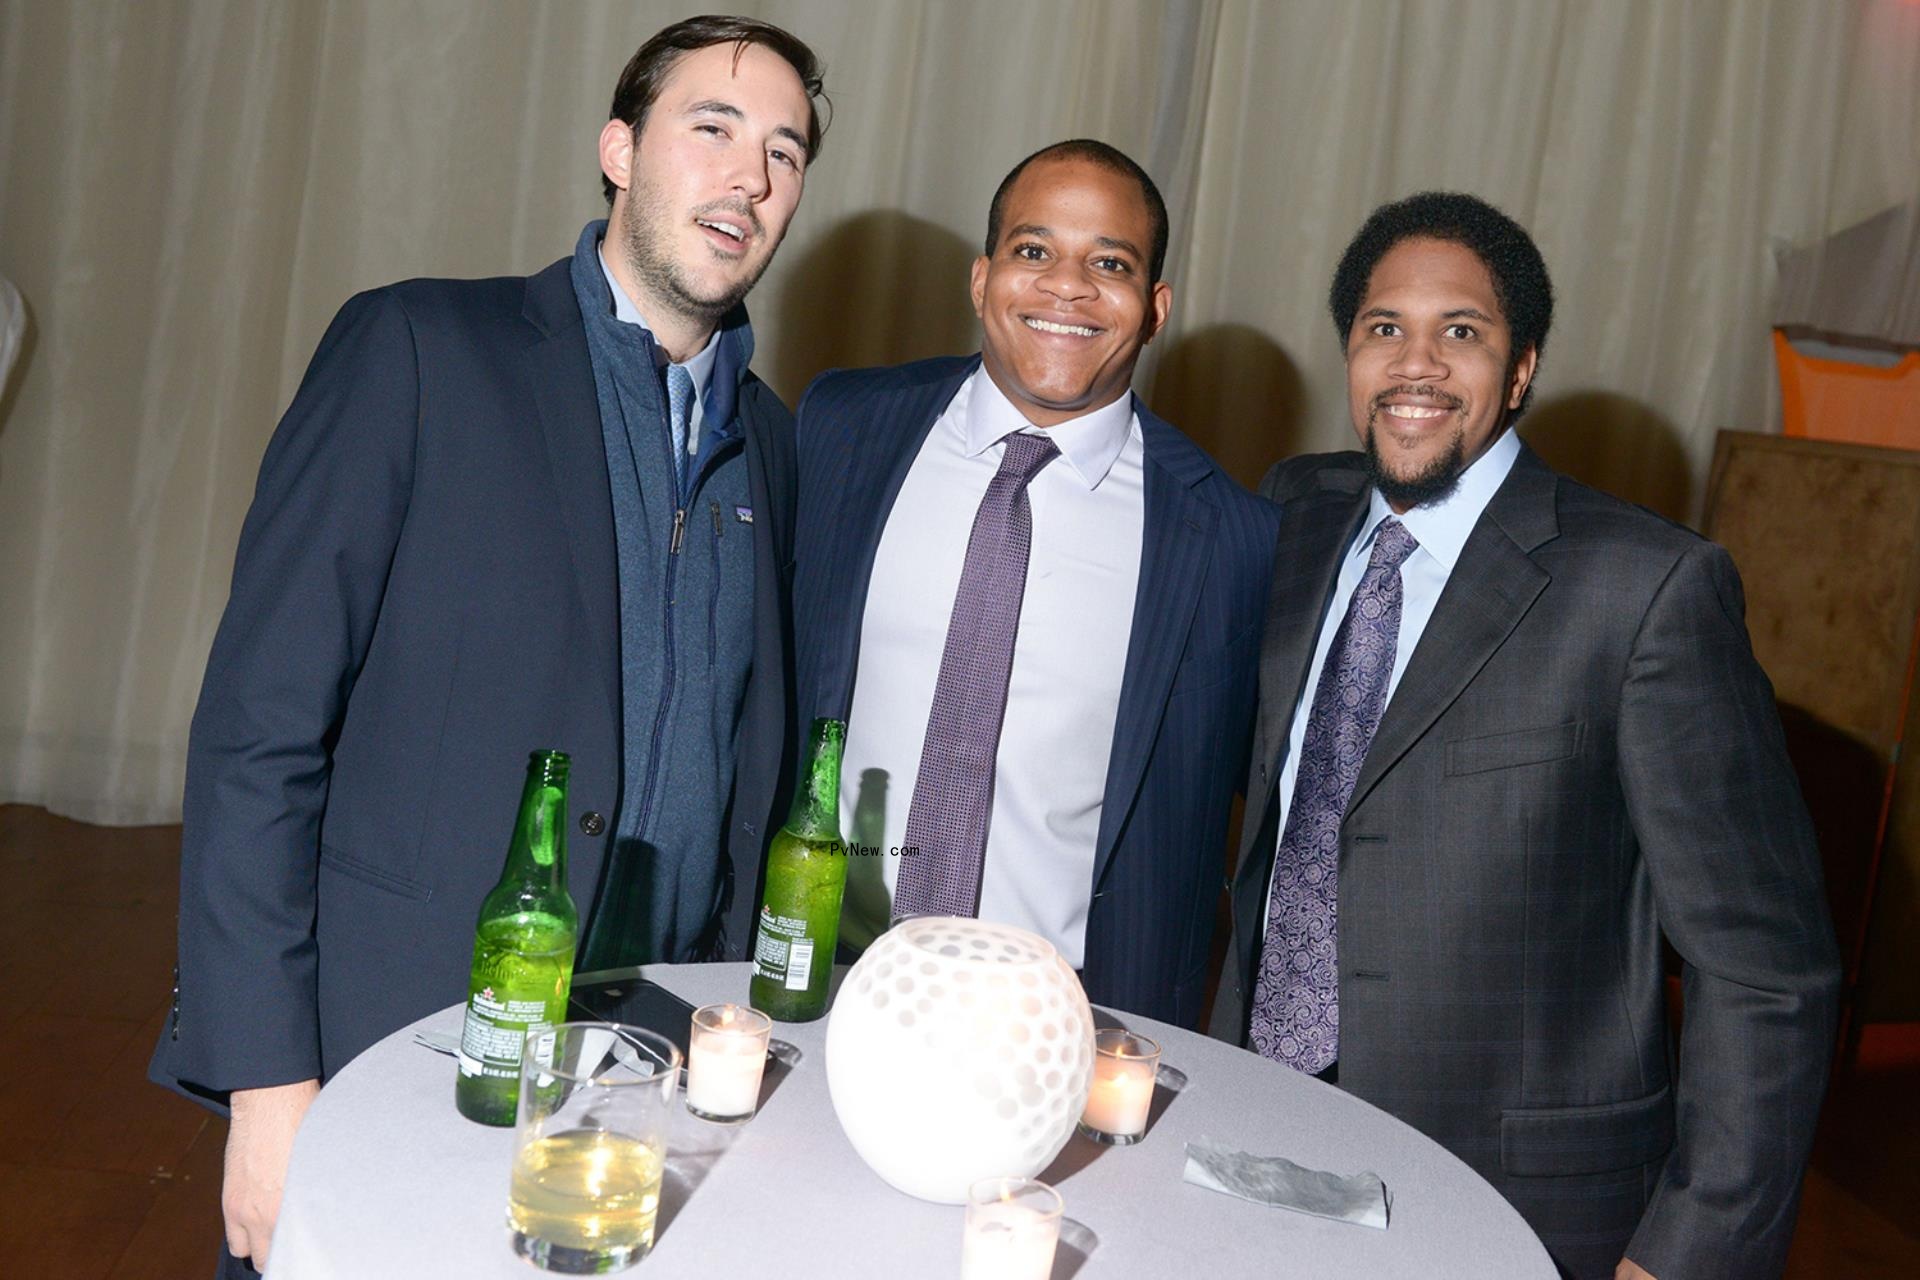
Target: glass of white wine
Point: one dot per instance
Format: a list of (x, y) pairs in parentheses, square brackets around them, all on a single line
[(591, 1145)]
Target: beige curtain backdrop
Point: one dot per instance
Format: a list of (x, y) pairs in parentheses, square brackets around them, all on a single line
[(190, 188)]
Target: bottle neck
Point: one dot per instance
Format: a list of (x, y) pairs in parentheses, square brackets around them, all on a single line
[(816, 802), (538, 854)]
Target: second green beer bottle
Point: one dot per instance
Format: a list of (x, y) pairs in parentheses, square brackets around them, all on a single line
[(522, 949), (806, 878)]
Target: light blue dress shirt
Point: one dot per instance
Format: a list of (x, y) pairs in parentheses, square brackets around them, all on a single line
[(1441, 529), (699, 365)]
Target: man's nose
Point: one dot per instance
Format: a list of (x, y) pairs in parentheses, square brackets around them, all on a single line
[(749, 175), (1418, 359), (1067, 281)]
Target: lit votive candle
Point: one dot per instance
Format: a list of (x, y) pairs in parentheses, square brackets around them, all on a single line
[(1012, 1227), (725, 1058), (1124, 1066)]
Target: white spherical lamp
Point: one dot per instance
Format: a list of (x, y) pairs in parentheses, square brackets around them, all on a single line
[(958, 1050)]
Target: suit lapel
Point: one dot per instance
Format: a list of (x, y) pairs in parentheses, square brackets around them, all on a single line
[(886, 440), (1491, 588), (1315, 531), (559, 378), (1177, 542), (1314, 535)]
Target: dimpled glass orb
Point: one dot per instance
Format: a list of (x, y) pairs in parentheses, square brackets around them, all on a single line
[(958, 1050)]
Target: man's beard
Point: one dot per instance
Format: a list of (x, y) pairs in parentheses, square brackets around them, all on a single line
[(1432, 482), (653, 265)]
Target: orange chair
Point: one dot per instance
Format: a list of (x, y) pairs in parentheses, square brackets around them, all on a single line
[(1852, 403)]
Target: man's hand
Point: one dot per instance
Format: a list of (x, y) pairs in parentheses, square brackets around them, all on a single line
[(259, 1143), (1631, 1270)]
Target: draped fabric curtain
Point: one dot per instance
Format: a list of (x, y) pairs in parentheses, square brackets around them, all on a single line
[(190, 188)]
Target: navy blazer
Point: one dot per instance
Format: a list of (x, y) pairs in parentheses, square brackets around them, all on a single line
[(1186, 700), (425, 590)]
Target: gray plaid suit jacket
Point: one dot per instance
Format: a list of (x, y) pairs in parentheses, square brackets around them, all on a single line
[(1582, 757)]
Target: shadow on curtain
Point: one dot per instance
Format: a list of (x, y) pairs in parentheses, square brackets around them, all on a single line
[(1617, 444), (1238, 394), (904, 276)]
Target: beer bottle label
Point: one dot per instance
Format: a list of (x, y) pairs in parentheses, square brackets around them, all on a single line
[(784, 953), (496, 1030)]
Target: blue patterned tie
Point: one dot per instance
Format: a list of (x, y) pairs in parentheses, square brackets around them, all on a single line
[(953, 792), (1296, 995), (679, 412)]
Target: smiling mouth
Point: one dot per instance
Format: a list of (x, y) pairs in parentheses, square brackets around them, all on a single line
[(1414, 404), (731, 230), (1068, 330)]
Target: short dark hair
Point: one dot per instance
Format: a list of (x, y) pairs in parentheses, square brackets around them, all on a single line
[(1096, 152), (647, 71), (1520, 282)]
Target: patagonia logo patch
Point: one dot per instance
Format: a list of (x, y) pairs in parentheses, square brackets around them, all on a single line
[(743, 514)]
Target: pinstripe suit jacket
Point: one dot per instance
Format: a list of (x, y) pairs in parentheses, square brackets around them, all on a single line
[(1581, 757), (1186, 697)]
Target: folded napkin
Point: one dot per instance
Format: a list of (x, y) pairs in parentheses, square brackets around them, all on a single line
[(447, 1042), (1279, 1182)]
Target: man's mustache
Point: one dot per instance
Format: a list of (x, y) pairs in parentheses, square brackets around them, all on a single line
[(1441, 398), (737, 212)]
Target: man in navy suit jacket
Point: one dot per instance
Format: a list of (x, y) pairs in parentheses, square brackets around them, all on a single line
[(468, 540), (1096, 758)]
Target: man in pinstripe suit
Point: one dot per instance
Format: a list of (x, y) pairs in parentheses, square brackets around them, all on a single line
[(1515, 750), (1037, 605)]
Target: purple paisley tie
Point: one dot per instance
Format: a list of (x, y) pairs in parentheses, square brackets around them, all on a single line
[(953, 792), (1296, 995)]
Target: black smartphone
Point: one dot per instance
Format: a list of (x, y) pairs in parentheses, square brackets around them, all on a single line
[(638, 1003)]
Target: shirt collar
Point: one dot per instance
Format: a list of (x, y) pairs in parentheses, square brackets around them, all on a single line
[(1090, 443), (1441, 528), (700, 364)]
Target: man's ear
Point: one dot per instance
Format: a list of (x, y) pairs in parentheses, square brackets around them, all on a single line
[(1159, 307), (1522, 377), (977, 285), (616, 153)]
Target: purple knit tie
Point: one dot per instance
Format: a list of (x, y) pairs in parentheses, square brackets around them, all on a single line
[(1296, 995), (953, 792)]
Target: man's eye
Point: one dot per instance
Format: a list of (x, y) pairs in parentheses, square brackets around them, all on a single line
[(1385, 329), (1120, 265), (782, 157), (713, 129), (1462, 332), (1029, 252)]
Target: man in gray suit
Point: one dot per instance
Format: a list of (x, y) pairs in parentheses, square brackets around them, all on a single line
[(1511, 735)]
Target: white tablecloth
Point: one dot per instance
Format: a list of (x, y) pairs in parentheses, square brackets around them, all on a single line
[(387, 1179)]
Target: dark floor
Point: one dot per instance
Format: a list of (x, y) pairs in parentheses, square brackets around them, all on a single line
[(106, 1175)]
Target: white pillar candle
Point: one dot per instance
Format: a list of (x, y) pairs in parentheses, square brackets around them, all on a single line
[(725, 1059), (1124, 1066), (1012, 1228)]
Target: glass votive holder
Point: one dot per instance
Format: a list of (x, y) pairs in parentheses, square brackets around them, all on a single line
[(1124, 1067), (1012, 1228), (726, 1055)]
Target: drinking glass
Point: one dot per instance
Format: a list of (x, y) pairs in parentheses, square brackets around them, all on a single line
[(591, 1145)]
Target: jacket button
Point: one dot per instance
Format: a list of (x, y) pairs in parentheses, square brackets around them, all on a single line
[(592, 823)]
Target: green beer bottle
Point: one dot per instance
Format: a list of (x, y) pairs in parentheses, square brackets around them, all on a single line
[(806, 876), (522, 949)]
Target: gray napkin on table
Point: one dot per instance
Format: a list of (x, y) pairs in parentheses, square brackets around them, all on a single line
[(1276, 1181), (447, 1042)]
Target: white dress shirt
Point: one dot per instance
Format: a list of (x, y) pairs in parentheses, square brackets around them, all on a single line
[(1441, 529), (1050, 776)]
